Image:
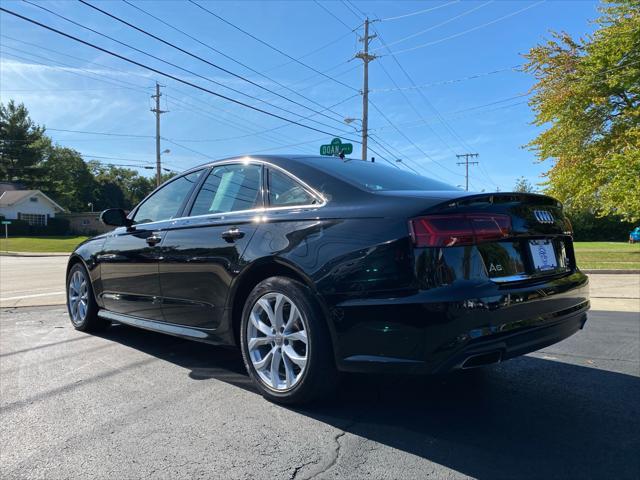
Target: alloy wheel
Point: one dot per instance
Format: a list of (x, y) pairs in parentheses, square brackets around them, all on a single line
[(277, 341), (78, 297)]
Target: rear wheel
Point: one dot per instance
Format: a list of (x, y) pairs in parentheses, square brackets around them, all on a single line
[(81, 304), (285, 342)]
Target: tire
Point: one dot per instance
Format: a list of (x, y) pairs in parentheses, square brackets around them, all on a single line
[(301, 352), (81, 303)]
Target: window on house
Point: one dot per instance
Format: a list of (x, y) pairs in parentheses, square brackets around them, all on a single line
[(85, 221), (33, 218), (33, 199)]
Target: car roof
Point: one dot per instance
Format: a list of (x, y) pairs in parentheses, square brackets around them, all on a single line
[(275, 159)]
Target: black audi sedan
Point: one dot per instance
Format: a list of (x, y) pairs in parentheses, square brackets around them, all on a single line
[(317, 265)]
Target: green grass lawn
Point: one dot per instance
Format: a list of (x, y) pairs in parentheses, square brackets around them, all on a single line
[(607, 255), (40, 244)]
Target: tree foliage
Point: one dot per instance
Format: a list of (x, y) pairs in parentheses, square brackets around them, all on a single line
[(29, 156), (22, 143), (523, 185), (587, 94)]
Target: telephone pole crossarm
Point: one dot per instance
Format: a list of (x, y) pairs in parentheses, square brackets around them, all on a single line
[(466, 163)]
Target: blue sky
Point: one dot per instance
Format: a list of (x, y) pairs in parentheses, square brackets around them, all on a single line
[(460, 54)]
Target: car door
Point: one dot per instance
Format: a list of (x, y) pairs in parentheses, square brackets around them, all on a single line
[(129, 260), (202, 252)]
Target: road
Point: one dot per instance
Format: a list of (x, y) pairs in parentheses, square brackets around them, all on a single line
[(32, 281), (131, 404)]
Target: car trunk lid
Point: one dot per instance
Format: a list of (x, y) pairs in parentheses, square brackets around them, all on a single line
[(517, 236)]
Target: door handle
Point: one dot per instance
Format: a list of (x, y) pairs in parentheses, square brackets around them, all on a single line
[(153, 239), (232, 234)]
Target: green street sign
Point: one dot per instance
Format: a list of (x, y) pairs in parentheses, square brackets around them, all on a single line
[(6, 222), (335, 147)]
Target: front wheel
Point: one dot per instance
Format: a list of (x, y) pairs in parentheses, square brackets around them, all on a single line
[(81, 304), (286, 345)]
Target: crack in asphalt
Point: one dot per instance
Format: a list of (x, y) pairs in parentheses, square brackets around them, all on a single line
[(336, 451), (335, 456), (297, 469)]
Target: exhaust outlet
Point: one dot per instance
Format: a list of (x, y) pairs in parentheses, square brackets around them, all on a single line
[(482, 359)]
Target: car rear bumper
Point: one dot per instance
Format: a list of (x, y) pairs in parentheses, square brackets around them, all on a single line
[(459, 326)]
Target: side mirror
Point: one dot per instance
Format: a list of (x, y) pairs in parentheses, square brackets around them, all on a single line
[(115, 217)]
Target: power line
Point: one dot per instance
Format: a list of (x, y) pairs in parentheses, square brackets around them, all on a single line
[(447, 82), (70, 69), (232, 59), (409, 140), (464, 32), (412, 106), (437, 25), (194, 109), (100, 133), (333, 15), (419, 12), (272, 47), (191, 72), (353, 9), (315, 50), (426, 101), (180, 49), (178, 102), (164, 74), (108, 67), (466, 163), (455, 115)]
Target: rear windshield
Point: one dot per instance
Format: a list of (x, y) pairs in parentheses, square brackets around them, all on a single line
[(377, 177)]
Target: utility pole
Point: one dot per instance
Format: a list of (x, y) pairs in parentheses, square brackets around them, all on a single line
[(366, 58), (466, 162), (158, 112)]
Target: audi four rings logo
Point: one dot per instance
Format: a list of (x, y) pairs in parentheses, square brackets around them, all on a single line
[(543, 216)]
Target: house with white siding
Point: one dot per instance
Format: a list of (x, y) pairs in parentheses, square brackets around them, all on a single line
[(31, 206)]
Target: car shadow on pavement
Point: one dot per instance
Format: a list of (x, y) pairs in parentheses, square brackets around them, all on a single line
[(529, 417)]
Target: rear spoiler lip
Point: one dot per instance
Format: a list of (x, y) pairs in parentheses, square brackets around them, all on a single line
[(489, 198), (450, 196)]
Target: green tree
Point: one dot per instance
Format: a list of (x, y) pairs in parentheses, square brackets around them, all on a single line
[(523, 185), (22, 144), (587, 94), (132, 186), (67, 178)]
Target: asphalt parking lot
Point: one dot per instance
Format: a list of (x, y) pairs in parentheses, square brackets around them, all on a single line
[(131, 404)]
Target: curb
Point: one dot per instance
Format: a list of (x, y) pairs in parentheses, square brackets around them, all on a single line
[(34, 254), (611, 272)]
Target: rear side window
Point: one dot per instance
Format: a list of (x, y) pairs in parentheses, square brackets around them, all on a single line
[(229, 188), (376, 177), (166, 202), (285, 191)]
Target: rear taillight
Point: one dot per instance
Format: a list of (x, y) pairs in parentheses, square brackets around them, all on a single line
[(458, 229), (568, 228)]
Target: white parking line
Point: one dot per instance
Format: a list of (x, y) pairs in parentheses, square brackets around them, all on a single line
[(32, 296)]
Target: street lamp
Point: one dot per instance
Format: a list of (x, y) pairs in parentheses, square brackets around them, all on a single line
[(351, 120)]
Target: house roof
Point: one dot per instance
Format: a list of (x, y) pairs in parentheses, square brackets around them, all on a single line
[(10, 186), (12, 197)]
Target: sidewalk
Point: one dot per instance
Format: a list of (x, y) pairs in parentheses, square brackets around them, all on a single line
[(34, 254)]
